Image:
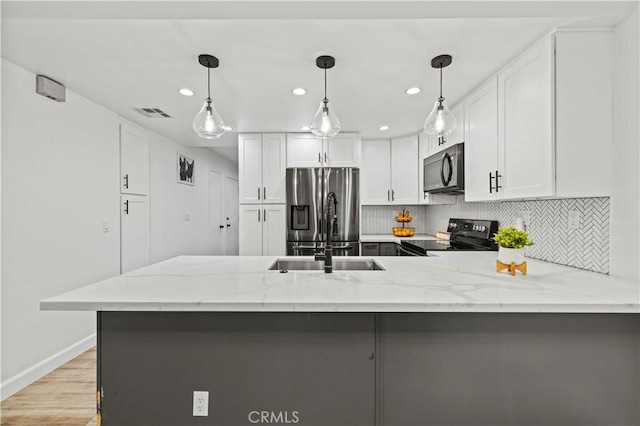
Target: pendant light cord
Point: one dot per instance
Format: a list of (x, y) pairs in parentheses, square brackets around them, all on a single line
[(440, 80), (209, 83), (325, 83)]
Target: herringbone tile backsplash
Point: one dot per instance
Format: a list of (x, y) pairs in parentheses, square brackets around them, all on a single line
[(584, 248)]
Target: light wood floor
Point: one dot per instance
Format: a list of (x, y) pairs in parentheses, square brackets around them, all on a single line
[(66, 396)]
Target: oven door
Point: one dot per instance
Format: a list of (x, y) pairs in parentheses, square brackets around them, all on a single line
[(405, 251)]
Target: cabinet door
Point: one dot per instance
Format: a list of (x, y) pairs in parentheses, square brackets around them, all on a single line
[(342, 151), (274, 231), (388, 249), (250, 232), (250, 168), (370, 249), (437, 144), (375, 172), (481, 147), (405, 170), (134, 160), (274, 159), (304, 150), (134, 232), (525, 134)]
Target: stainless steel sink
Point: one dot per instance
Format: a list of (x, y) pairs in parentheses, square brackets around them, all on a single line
[(318, 265)]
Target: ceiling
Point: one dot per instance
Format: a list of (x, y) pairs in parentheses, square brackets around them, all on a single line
[(139, 55)]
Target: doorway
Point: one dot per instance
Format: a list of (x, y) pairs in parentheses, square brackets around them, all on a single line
[(223, 214), (231, 207)]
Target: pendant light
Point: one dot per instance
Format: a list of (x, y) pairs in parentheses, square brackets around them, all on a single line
[(207, 123), (325, 124), (440, 122)]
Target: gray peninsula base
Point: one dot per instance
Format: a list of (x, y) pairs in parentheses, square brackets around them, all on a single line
[(355, 369)]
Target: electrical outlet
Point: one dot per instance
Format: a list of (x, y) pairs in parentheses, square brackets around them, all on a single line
[(187, 217), (106, 227), (574, 219), (200, 403), (526, 218)]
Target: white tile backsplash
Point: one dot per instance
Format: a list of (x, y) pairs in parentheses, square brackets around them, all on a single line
[(586, 247)]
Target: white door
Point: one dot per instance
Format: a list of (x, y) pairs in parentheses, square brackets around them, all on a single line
[(525, 135), (404, 170), (250, 168), (274, 158), (342, 151), (375, 172), (304, 150), (274, 230), (481, 146), (231, 210), (217, 222), (134, 160), (250, 230), (134, 232)]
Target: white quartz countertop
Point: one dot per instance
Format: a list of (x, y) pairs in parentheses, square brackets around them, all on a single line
[(392, 238), (445, 282)]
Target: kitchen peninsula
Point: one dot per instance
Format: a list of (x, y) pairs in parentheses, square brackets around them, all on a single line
[(426, 341)]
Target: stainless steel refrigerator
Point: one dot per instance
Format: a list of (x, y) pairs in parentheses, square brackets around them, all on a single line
[(307, 190)]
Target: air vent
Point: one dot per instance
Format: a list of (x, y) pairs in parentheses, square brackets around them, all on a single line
[(153, 112)]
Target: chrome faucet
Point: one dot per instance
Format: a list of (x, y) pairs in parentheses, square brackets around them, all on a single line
[(332, 223)]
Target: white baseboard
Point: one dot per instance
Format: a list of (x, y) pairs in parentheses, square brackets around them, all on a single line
[(44, 367)]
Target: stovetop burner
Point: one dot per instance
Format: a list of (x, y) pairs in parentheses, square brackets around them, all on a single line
[(466, 234)]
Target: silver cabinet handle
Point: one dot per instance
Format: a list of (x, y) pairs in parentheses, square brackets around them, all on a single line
[(126, 181), (264, 216), (264, 192), (258, 215), (258, 193)]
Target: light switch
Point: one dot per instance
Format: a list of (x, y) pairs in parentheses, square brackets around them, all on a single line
[(106, 227), (187, 217), (574, 219)]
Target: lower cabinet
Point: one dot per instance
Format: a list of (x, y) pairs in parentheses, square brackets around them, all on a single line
[(263, 230), (379, 249)]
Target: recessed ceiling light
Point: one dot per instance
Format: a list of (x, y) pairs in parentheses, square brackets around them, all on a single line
[(227, 128), (186, 92), (412, 90), (298, 91), (384, 127), (305, 128)]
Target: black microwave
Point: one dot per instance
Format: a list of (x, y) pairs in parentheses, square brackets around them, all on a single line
[(444, 171)]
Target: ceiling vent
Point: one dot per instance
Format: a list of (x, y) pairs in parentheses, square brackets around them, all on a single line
[(153, 112)]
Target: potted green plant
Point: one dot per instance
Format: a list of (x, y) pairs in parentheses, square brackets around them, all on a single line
[(512, 242)]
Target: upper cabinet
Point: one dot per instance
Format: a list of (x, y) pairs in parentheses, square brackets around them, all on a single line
[(437, 144), (390, 171), (134, 160), (543, 126), (307, 150), (261, 168)]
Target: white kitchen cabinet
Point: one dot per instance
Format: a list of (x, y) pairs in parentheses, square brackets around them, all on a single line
[(263, 230), (307, 150), (554, 123), (134, 160), (481, 146), (134, 232), (525, 132), (427, 197), (437, 144), (261, 168), (390, 171)]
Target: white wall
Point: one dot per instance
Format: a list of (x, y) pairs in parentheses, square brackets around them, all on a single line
[(625, 199), (59, 181), (169, 201)]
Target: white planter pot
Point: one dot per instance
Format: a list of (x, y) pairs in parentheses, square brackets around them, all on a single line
[(511, 255)]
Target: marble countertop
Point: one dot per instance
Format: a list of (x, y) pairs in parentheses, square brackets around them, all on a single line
[(392, 238), (445, 282)]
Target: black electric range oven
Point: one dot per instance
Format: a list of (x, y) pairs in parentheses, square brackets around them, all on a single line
[(466, 235)]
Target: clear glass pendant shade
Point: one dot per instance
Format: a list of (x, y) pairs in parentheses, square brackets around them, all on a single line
[(440, 122), (207, 123), (325, 124)]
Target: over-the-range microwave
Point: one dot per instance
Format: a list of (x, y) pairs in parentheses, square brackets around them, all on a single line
[(444, 171)]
